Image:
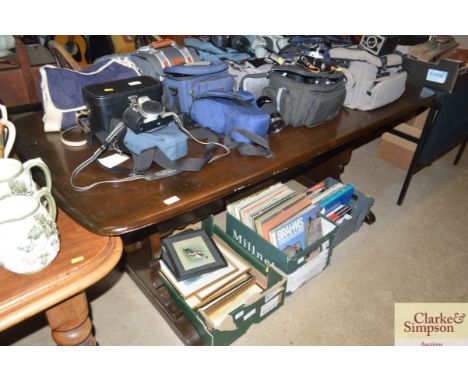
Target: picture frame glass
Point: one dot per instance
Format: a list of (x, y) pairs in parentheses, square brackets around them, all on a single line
[(193, 253)]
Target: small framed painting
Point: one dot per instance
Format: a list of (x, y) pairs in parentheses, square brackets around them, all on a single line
[(192, 253)]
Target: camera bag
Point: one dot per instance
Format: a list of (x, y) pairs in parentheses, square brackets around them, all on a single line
[(210, 52), (262, 45), (249, 78), (153, 58), (237, 117), (371, 81), (165, 143), (305, 98), (185, 82), (61, 89)]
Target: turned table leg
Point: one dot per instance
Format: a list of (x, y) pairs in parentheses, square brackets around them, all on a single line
[(70, 322)]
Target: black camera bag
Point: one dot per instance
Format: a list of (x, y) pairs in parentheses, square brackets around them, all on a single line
[(305, 98)]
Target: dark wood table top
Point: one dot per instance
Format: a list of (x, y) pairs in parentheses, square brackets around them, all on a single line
[(122, 208)]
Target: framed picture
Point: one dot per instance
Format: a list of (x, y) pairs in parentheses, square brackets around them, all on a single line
[(192, 253)]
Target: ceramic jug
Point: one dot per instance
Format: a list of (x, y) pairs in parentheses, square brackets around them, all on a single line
[(7, 133), (29, 239), (16, 179)]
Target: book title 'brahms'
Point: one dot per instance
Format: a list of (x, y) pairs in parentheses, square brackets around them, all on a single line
[(290, 230)]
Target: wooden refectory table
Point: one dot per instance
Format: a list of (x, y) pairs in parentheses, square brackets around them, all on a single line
[(140, 213)]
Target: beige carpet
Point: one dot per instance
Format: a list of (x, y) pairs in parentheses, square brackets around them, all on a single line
[(414, 253)]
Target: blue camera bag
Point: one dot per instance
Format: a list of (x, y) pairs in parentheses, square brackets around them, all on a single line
[(169, 139), (237, 117), (185, 82)]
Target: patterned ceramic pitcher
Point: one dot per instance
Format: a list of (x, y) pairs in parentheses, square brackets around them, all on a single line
[(16, 179), (29, 239), (7, 133)]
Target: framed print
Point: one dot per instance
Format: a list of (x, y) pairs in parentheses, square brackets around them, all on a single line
[(192, 253)]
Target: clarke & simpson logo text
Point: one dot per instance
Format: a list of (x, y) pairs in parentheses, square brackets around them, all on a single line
[(429, 324)]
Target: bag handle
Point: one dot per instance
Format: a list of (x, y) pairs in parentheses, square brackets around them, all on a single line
[(306, 73), (242, 97), (196, 70), (162, 43)]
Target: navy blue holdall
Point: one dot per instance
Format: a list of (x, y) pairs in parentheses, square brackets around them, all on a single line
[(236, 116), (187, 81)]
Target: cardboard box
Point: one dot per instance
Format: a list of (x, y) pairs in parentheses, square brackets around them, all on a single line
[(360, 207), (257, 307), (446, 74), (301, 267), (419, 120), (397, 150)]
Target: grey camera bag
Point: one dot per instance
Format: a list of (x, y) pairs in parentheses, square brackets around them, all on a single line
[(304, 98), (248, 77), (371, 81)]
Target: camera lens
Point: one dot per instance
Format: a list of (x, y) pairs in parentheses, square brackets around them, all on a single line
[(239, 43), (276, 120), (219, 40), (296, 77)]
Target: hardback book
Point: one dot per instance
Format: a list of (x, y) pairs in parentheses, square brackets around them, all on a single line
[(298, 232), (266, 204), (258, 203), (283, 216), (315, 190), (316, 199), (341, 196), (235, 208), (275, 210)]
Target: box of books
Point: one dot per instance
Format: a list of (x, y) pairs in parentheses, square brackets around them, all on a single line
[(283, 227), (224, 302), (349, 213), (300, 264)]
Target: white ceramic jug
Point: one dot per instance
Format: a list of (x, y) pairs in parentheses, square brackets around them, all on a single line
[(9, 131), (29, 239), (16, 179)]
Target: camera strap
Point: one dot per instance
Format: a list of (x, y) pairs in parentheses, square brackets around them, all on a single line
[(143, 161)]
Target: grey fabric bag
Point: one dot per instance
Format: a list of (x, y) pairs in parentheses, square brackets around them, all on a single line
[(304, 98), (248, 77), (152, 61), (371, 81)]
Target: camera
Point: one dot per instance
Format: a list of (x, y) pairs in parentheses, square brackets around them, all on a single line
[(276, 120), (239, 43), (145, 114), (379, 45)]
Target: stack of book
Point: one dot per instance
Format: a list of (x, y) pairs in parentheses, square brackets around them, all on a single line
[(282, 216), (333, 201), (216, 292)]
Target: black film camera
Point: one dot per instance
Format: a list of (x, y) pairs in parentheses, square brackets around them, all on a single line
[(379, 45)]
